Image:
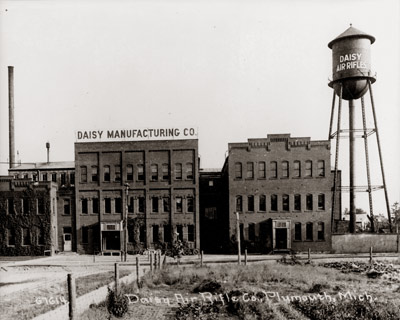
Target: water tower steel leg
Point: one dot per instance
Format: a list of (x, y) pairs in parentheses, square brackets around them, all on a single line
[(380, 155), (332, 115), (352, 166), (336, 157), (371, 210)]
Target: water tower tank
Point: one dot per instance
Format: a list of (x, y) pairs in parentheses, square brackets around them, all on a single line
[(351, 63)]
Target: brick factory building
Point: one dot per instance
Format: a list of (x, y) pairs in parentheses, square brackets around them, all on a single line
[(157, 182), (28, 215), (282, 188)]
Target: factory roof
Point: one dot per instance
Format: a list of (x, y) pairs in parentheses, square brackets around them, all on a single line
[(45, 166)]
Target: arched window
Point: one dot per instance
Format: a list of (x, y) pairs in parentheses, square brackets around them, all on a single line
[(239, 204)]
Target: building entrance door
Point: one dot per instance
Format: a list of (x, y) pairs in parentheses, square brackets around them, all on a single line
[(67, 246), (281, 238), (111, 240)]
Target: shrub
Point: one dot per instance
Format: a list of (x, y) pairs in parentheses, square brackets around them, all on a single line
[(117, 304)]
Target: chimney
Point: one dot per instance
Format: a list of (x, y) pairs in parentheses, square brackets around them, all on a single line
[(11, 116), (48, 151)]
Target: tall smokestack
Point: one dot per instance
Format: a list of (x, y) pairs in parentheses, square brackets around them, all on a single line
[(48, 151), (11, 116)]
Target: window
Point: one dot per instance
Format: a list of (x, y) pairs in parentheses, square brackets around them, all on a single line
[(67, 206), (285, 202), (10, 206), (141, 204), (250, 170), (95, 205), (154, 204), (85, 234), (140, 172), (107, 205), (117, 173), (321, 168), (178, 171), (238, 170), (308, 172), (274, 169), (95, 174), (190, 204), (40, 206), (156, 236), (285, 169), (189, 171), (106, 173), (154, 172), (142, 234), (63, 178), (41, 237), (10, 237), (166, 205), (129, 172), (274, 202), (297, 231), (54, 175), (179, 230), (191, 233), (178, 203), (44, 177), (118, 205), (83, 174), (25, 206), (261, 170), (321, 201), (85, 206), (309, 231), (250, 203), (263, 203), (321, 231), (26, 237), (167, 233), (131, 202), (239, 203), (309, 202), (296, 169), (165, 171), (252, 232), (297, 202), (72, 178), (131, 234)]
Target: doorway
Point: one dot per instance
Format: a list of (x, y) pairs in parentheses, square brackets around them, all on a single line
[(67, 242), (111, 240), (281, 238)]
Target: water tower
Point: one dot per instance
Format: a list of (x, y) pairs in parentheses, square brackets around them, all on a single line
[(351, 80)]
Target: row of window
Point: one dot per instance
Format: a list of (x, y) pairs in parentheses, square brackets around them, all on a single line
[(155, 173), (285, 202), (156, 233), (298, 231), (273, 169), (26, 206), (158, 204), (26, 237), (50, 177)]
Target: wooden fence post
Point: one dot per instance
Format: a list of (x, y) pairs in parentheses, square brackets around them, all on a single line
[(137, 271), (116, 278), (309, 255), (201, 258), (245, 257), (72, 297), (370, 255), (151, 261)]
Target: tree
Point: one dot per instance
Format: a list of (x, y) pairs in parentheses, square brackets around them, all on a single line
[(396, 214)]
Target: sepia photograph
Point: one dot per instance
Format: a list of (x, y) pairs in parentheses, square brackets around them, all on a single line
[(173, 160)]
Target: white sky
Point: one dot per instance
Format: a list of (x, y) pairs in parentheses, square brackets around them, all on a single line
[(234, 69)]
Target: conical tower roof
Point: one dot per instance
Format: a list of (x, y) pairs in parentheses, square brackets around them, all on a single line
[(351, 33)]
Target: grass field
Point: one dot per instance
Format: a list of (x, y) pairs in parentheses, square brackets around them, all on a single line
[(260, 291)]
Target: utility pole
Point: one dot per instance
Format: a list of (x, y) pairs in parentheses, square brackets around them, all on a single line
[(238, 236), (126, 223)]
